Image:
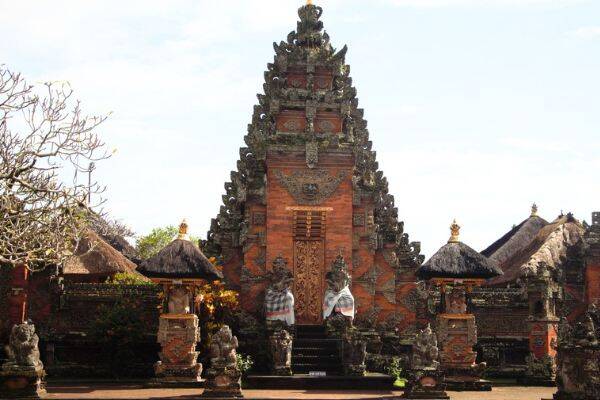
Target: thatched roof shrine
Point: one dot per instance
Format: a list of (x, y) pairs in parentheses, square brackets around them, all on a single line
[(457, 260), (95, 257), (180, 259), (516, 240), (549, 246)]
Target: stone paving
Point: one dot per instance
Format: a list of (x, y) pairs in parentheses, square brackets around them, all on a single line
[(97, 391)]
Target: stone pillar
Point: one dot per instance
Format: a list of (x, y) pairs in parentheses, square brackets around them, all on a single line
[(178, 335), (542, 293), (223, 378), (22, 376), (457, 334)]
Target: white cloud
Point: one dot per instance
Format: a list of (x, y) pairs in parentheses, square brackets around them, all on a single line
[(586, 32)]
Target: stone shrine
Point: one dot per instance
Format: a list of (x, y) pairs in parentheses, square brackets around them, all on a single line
[(454, 270), (179, 267)]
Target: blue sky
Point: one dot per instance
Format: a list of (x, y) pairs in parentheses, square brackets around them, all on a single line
[(476, 108)]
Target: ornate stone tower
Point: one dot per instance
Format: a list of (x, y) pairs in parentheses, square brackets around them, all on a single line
[(308, 187)]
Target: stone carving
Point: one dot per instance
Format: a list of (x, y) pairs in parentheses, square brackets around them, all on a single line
[(425, 352), (544, 367), (425, 379), (281, 352), (354, 353), (23, 347), (223, 378), (312, 154), (311, 187), (179, 300), (22, 375), (578, 358)]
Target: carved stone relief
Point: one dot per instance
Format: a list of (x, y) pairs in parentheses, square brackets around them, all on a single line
[(312, 186)]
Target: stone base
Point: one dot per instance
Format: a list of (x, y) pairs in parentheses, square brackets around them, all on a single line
[(22, 383), (425, 384), (354, 370), (223, 383), (460, 385), (282, 371), (177, 373)]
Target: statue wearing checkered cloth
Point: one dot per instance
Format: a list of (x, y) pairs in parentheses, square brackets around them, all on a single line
[(279, 300), (338, 298)]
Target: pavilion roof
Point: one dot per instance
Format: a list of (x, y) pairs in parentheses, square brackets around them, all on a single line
[(180, 259), (457, 260)]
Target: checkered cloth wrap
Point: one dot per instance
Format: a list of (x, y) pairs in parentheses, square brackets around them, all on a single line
[(342, 302), (280, 306)]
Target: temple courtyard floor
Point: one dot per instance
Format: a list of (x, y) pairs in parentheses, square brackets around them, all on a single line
[(106, 391)]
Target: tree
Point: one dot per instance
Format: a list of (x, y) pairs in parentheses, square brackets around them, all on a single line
[(45, 142), (150, 244)]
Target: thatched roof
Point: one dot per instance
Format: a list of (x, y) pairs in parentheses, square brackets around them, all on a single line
[(515, 240), (180, 259), (121, 244), (549, 246), (457, 260), (93, 256)]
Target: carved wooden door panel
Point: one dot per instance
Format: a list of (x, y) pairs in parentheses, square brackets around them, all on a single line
[(308, 281)]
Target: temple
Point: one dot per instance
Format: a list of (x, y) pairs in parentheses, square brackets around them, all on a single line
[(308, 188)]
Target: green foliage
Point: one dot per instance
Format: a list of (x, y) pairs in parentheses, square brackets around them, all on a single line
[(119, 328), (393, 367), (128, 279), (150, 244), (244, 363)]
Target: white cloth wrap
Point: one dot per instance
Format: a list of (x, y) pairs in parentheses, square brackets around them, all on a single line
[(279, 306), (342, 302)]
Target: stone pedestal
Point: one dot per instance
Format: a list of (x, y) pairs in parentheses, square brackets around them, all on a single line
[(457, 335), (427, 383), (354, 353), (178, 335), (17, 382)]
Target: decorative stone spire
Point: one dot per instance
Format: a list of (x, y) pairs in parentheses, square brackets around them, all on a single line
[(454, 232), (534, 210), (183, 228)]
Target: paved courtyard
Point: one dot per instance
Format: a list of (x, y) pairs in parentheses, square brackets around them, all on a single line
[(96, 391)]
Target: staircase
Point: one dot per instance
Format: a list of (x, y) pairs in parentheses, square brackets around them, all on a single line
[(313, 351)]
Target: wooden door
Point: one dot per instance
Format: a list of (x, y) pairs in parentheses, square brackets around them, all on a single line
[(308, 281), (309, 266)]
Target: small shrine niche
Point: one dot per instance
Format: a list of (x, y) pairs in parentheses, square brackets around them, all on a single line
[(181, 268)]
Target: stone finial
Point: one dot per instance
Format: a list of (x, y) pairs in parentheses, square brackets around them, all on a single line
[(534, 210), (309, 2), (454, 232), (183, 229)]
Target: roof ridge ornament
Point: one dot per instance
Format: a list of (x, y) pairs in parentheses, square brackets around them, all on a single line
[(454, 232), (534, 210), (183, 229)]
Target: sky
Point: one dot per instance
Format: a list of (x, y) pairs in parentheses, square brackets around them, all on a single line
[(476, 108)]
